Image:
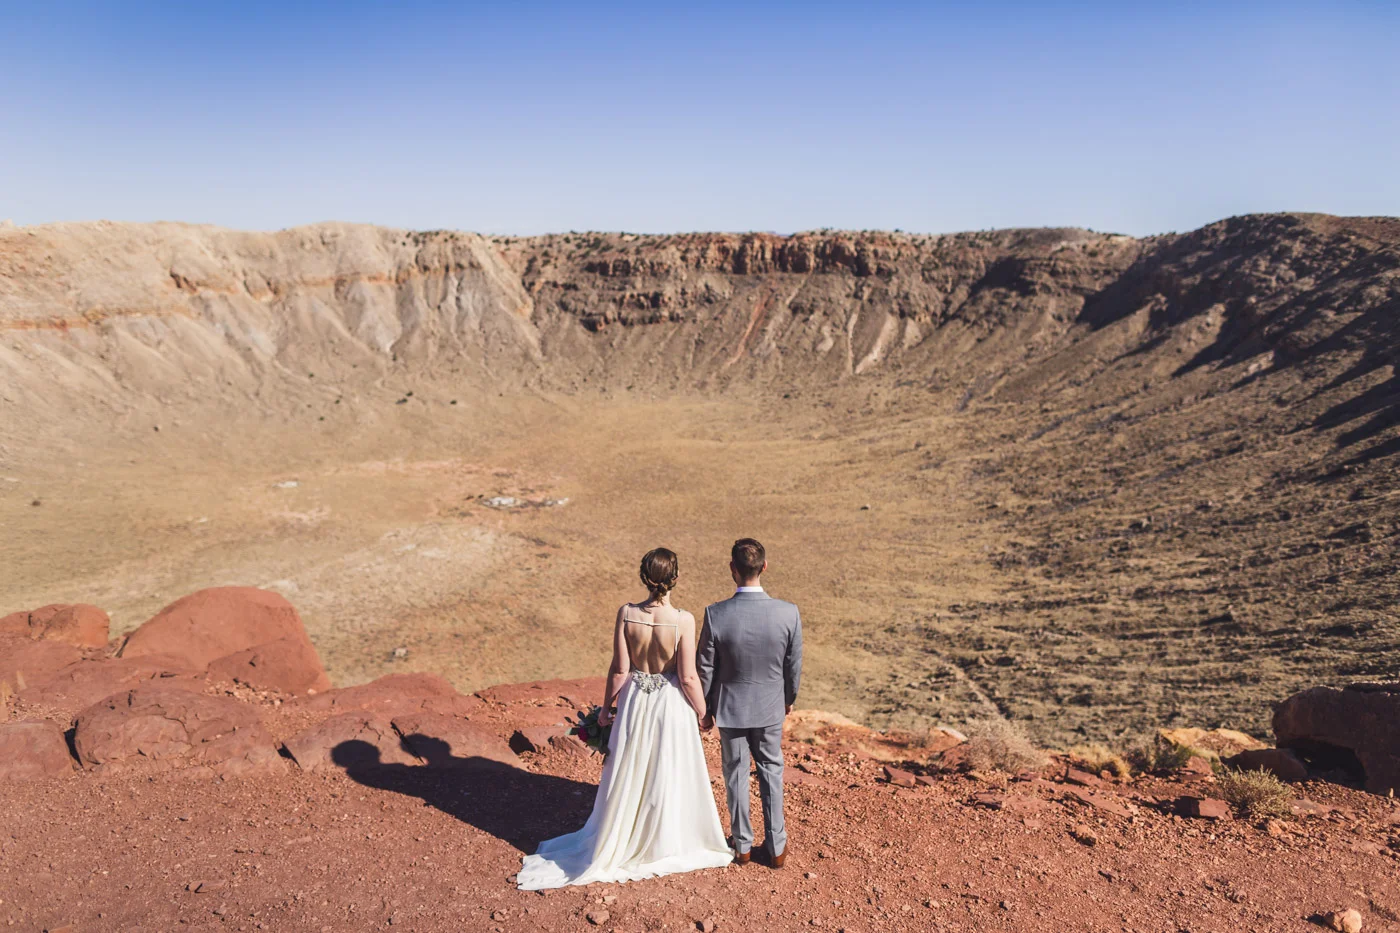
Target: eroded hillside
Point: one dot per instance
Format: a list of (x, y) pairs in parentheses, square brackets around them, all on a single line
[(1111, 482)]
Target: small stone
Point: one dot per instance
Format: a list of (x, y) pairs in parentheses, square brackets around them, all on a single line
[(609, 899), (1197, 765), (705, 926), (1084, 835), (899, 777), (1311, 808), (1344, 921), (823, 853), (400, 652), (1204, 808), (498, 915), (598, 917), (1011, 803), (1103, 802), (809, 875), (1082, 778)]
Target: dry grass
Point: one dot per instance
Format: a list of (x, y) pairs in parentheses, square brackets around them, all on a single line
[(1154, 754), (1000, 745), (1097, 758), (1255, 793)]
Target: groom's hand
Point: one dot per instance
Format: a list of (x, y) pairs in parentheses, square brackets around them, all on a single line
[(787, 709), (707, 723)]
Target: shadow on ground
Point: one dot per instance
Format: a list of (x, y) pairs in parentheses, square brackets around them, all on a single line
[(517, 806)]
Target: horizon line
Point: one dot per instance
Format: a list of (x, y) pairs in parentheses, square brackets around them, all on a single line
[(7, 224)]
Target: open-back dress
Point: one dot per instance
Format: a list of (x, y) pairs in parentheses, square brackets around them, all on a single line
[(654, 813)]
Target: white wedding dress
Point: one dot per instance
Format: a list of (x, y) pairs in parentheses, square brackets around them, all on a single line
[(654, 813)]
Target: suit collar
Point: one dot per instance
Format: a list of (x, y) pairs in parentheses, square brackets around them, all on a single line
[(748, 596)]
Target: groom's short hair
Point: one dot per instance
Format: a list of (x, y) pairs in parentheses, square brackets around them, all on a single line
[(748, 557)]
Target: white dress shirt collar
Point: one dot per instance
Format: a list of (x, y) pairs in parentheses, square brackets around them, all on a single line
[(749, 589)]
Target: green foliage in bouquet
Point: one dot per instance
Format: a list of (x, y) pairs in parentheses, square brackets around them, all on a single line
[(588, 731)]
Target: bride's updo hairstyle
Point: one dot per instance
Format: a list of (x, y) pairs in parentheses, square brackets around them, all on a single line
[(660, 568)]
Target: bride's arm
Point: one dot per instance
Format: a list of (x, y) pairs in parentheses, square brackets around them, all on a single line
[(617, 670), (690, 677)]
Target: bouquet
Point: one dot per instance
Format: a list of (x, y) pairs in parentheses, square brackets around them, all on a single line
[(587, 730)]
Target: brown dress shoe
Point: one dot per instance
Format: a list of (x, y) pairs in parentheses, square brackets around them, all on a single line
[(739, 859), (778, 860)]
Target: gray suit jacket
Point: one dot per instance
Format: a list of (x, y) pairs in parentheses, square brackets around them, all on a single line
[(750, 660)]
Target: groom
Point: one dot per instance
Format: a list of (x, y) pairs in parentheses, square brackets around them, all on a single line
[(750, 663)]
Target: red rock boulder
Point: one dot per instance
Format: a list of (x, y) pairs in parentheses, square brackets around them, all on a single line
[(31, 751), (1283, 763), (79, 685), (158, 729), (448, 742), (363, 741), (1341, 728), (77, 624), (25, 663), (238, 632), (396, 693), (582, 693), (536, 738), (289, 664), (352, 741)]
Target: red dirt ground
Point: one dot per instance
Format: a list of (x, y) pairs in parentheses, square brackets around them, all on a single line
[(423, 849)]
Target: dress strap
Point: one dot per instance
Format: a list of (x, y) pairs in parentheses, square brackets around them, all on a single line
[(645, 622)]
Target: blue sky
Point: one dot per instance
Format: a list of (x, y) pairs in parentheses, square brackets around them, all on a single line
[(508, 118)]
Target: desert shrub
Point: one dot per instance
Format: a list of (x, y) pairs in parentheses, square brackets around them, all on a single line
[(1000, 745), (1098, 758), (1255, 793), (1156, 754), (927, 737)]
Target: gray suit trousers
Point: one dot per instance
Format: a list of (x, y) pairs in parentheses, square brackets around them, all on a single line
[(766, 745)]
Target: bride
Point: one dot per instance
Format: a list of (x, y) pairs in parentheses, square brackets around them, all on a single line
[(654, 814)]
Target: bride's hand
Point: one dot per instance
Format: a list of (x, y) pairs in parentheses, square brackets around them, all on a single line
[(605, 717)]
